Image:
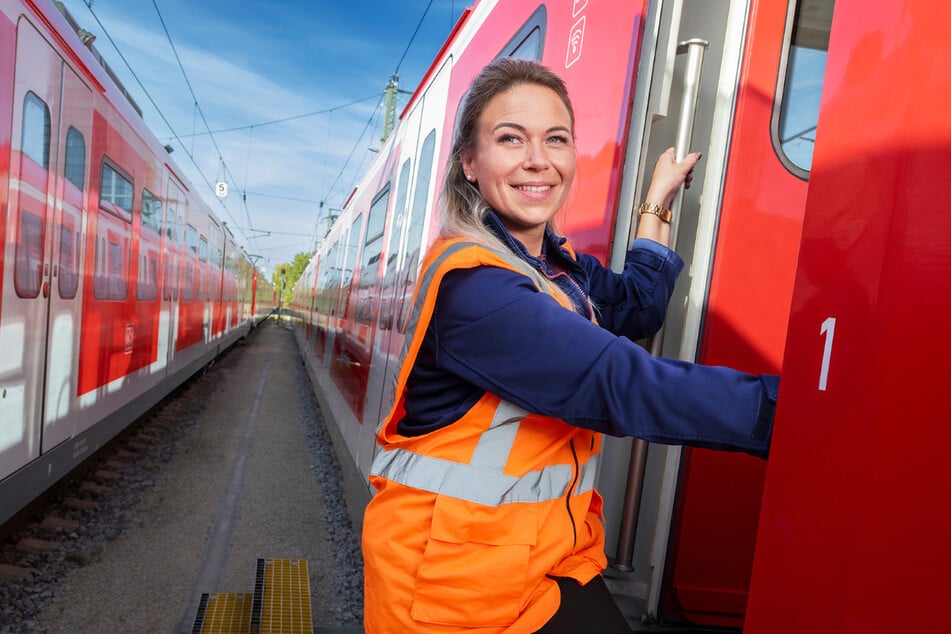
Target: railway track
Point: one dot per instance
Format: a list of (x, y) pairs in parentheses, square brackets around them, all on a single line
[(237, 463), (70, 526)]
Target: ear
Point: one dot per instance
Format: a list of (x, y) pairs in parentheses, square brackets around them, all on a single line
[(468, 164)]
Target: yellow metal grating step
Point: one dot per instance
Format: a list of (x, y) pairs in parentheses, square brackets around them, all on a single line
[(222, 613), (281, 598)]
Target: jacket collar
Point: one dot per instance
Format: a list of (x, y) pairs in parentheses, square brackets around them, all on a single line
[(552, 243)]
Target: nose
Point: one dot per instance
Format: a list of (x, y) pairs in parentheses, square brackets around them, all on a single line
[(536, 156)]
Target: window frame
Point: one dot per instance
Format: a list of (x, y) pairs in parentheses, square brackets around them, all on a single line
[(27, 140), (111, 203), (785, 91), (70, 168)]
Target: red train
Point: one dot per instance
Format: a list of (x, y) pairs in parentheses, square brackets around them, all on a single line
[(117, 282), (817, 244)]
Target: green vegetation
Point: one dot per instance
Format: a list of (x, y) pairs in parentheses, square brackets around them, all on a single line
[(285, 276)]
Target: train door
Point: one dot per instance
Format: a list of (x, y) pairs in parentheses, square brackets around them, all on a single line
[(215, 264), (174, 226), (856, 540), (66, 261), (713, 78), (25, 318)]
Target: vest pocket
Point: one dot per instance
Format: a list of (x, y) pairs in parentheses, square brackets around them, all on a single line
[(475, 567)]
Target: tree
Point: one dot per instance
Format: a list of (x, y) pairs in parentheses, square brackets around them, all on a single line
[(285, 276)]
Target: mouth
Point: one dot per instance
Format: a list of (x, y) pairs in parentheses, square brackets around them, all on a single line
[(534, 189)]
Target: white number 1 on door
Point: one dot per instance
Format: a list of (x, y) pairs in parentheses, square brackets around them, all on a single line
[(827, 329)]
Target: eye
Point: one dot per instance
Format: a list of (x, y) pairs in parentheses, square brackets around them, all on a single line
[(559, 139), (509, 139)]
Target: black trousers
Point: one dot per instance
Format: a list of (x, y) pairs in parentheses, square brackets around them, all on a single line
[(586, 609)]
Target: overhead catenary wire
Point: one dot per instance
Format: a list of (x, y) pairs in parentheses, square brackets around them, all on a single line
[(158, 110), (201, 113), (222, 163), (353, 151), (285, 119), (412, 38), (396, 70)]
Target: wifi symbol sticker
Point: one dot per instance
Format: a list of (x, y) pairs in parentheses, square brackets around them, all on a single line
[(575, 41)]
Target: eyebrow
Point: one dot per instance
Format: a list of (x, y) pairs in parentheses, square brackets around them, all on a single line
[(517, 126)]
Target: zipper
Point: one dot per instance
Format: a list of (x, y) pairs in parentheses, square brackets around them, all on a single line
[(572, 281), (570, 492)]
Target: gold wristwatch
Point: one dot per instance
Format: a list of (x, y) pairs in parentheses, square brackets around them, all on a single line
[(653, 208)]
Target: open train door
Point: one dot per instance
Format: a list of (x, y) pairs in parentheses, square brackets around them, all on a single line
[(856, 540), (725, 79)]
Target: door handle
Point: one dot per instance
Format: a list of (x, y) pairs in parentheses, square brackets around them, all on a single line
[(694, 49)]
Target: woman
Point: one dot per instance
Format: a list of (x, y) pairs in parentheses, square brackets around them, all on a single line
[(519, 355)]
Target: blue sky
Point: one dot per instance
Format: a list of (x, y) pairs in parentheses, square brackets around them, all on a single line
[(255, 62)]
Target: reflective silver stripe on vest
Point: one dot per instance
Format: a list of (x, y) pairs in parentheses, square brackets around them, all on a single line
[(589, 473), (483, 480), (496, 442), (470, 483)]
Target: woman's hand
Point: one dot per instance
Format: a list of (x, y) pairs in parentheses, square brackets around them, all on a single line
[(669, 175)]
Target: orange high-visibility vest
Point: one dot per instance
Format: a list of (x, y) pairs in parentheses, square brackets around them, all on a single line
[(468, 520)]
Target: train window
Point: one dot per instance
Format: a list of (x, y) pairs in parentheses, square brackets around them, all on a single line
[(204, 287), (28, 267), (174, 222), (36, 130), (75, 164), (111, 249), (191, 238), (417, 223), (797, 111), (69, 250), (417, 220), (188, 282), (146, 288), (349, 261), (151, 212), (530, 39), (328, 280), (115, 192), (373, 245), (372, 251), (399, 217)]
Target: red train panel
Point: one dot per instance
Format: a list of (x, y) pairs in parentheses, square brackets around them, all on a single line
[(853, 533)]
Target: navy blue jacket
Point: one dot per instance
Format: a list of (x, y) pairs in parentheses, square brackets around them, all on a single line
[(492, 331)]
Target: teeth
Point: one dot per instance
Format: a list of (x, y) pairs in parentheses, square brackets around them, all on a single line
[(534, 188)]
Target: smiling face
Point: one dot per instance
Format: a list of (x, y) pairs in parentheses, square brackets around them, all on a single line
[(523, 161)]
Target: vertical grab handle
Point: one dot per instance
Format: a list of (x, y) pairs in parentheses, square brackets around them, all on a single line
[(694, 48)]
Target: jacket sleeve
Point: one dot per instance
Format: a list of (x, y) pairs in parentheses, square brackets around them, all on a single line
[(633, 302), (493, 329)]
